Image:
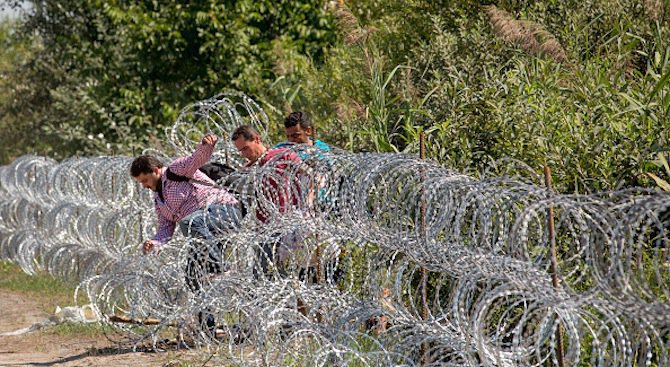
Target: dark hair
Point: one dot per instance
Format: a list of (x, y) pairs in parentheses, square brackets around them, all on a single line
[(246, 131), (298, 117), (144, 164)]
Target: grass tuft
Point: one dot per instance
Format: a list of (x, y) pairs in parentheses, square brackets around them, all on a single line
[(654, 9)]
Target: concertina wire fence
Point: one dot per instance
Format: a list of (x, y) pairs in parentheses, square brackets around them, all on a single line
[(394, 260)]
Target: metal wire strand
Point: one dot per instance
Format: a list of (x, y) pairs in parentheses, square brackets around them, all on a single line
[(373, 259)]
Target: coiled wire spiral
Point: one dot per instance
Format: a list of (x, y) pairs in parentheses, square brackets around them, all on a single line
[(384, 259)]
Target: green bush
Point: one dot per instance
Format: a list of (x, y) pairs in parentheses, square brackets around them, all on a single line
[(580, 85)]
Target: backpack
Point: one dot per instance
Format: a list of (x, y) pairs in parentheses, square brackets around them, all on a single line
[(213, 170)]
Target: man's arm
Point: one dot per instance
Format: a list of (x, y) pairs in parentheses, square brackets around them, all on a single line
[(163, 234), (187, 166)]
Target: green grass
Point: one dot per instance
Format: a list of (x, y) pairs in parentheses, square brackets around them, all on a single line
[(42, 288), (79, 329), (49, 291)]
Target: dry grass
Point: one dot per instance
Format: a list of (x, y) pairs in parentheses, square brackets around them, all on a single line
[(654, 9), (409, 90), (530, 36), (348, 24)]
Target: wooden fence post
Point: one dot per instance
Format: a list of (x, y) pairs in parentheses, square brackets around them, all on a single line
[(554, 263)]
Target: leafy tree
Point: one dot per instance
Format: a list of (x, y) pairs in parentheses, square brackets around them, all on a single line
[(580, 85), (18, 101), (115, 73)]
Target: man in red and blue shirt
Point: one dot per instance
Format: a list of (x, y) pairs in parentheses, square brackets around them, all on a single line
[(279, 183), (279, 187), (298, 129)]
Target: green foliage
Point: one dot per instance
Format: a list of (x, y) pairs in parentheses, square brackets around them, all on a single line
[(15, 134), (107, 77), (597, 119)]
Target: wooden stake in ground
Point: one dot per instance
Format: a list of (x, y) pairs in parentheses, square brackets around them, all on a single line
[(128, 320), (424, 273), (554, 263)]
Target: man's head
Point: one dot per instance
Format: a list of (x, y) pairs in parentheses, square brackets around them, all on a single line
[(146, 170), (248, 142), (298, 128)]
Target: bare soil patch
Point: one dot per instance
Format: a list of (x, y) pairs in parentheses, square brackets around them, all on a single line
[(45, 348)]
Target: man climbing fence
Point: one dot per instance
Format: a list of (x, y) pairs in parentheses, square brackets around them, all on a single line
[(201, 209)]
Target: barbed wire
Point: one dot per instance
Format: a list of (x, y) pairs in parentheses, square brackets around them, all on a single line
[(381, 259)]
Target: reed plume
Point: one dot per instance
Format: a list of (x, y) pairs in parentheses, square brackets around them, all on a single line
[(530, 36), (348, 24), (348, 108)]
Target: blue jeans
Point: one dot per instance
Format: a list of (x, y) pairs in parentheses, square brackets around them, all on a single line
[(208, 225), (215, 219)]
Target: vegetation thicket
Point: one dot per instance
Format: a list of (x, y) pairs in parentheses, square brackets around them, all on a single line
[(579, 85), (582, 86)]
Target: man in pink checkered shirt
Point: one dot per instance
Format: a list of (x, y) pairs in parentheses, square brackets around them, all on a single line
[(175, 201), (201, 209)]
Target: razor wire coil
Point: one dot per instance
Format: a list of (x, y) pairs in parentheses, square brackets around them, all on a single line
[(344, 285)]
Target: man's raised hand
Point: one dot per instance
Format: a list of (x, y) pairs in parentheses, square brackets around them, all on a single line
[(149, 246), (209, 139)]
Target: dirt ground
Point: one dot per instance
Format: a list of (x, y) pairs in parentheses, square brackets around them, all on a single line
[(42, 348)]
